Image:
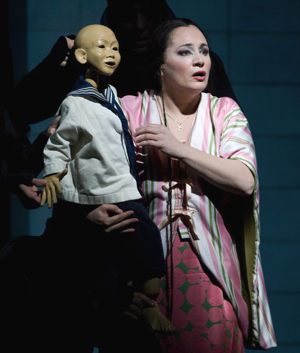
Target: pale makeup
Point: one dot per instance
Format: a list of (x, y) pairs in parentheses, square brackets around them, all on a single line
[(187, 61)]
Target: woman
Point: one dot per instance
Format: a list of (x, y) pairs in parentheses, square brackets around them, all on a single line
[(201, 189)]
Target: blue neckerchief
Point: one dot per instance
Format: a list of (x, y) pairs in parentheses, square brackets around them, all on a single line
[(84, 88)]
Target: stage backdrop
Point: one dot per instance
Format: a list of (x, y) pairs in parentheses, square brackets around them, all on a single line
[(259, 43)]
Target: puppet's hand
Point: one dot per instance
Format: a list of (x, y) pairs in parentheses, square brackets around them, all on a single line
[(53, 184)]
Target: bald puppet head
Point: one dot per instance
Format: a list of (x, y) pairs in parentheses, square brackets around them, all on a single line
[(97, 46)]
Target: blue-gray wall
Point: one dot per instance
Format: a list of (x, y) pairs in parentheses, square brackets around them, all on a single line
[(259, 42)]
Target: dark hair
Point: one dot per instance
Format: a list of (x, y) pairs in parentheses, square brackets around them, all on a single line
[(159, 42), (112, 18)]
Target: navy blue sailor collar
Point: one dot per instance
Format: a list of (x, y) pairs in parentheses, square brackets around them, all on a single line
[(84, 88)]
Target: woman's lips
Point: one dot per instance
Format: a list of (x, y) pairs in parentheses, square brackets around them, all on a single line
[(199, 75)]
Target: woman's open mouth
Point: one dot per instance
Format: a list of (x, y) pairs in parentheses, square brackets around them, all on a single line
[(199, 75)]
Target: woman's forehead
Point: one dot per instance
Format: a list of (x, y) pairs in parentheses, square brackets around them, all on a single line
[(186, 35)]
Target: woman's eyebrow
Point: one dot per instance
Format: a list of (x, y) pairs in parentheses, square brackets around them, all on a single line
[(190, 45)]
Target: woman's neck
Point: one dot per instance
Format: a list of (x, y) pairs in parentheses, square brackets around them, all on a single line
[(178, 103)]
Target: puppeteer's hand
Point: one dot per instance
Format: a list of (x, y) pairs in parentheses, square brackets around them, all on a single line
[(30, 195), (70, 43), (135, 309), (112, 218), (53, 126), (53, 184)]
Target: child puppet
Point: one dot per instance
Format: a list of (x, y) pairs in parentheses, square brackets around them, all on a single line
[(90, 159)]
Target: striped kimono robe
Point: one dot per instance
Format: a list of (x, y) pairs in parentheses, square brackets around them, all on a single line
[(221, 228)]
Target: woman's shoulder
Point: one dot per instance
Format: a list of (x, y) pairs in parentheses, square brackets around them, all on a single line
[(221, 100), (137, 96), (222, 111), (223, 105), (136, 101)]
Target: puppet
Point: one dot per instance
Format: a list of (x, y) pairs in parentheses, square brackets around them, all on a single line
[(90, 159)]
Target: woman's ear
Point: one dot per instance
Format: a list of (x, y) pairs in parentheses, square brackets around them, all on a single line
[(161, 71), (81, 55)]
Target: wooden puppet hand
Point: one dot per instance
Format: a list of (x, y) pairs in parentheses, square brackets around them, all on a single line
[(53, 184)]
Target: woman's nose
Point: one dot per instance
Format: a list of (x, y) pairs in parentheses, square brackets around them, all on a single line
[(198, 60)]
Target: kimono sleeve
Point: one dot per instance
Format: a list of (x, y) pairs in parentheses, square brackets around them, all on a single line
[(236, 140)]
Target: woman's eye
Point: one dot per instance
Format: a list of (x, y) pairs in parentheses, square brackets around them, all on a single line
[(204, 51), (115, 48), (184, 52), (101, 46)]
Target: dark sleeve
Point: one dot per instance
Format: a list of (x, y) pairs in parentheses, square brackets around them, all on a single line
[(40, 92), (34, 158), (11, 180), (20, 160)]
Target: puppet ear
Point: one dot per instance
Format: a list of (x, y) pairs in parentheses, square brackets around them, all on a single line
[(81, 55)]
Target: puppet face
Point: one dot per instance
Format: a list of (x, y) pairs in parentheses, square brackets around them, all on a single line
[(98, 46)]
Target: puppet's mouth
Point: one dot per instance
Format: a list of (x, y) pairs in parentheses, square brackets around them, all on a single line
[(110, 63)]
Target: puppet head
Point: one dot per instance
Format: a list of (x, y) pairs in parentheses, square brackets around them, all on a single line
[(97, 46)]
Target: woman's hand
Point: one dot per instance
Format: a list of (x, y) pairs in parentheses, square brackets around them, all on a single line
[(112, 218), (230, 175), (158, 136)]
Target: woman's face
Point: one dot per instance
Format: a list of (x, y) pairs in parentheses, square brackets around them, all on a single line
[(187, 61)]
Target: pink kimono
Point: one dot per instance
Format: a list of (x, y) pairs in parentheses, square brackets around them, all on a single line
[(214, 292)]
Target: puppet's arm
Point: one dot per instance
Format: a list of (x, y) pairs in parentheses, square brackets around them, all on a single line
[(57, 152)]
